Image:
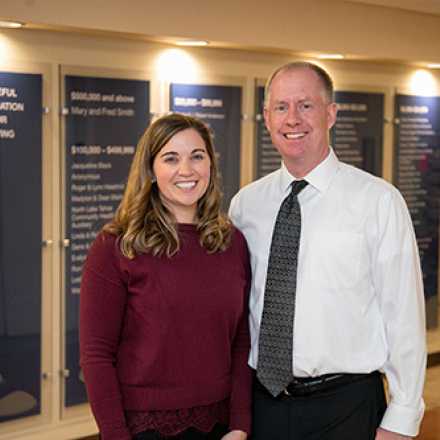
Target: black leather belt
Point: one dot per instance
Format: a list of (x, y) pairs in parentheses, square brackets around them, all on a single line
[(304, 386)]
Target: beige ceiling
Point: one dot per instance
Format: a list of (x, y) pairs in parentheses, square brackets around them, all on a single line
[(426, 6), (405, 31)]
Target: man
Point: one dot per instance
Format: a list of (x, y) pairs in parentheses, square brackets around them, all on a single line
[(337, 294)]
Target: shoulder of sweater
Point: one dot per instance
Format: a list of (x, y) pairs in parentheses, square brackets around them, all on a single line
[(105, 242), (104, 252), (239, 243), (237, 236)]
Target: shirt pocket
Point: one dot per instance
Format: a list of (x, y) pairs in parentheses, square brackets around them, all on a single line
[(335, 260)]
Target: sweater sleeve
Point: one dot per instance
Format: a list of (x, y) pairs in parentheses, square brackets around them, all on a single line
[(240, 406), (102, 306)]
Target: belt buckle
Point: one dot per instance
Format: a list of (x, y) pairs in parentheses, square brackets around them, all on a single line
[(294, 382)]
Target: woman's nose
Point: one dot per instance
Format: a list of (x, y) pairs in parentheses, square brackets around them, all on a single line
[(185, 168)]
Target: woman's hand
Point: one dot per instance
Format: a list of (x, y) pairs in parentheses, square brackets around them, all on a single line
[(235, 435)]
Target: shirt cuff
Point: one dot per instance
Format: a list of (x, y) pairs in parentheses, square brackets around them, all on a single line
[(403, 420)]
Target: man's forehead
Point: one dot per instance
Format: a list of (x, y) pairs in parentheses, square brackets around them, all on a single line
[(297, 72), (286, 99), (288, 86), (294, 91)]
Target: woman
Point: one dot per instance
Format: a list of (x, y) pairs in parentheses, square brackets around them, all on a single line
[(164, 336)]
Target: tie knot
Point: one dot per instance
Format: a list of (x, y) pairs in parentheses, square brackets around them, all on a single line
[(298, 186)]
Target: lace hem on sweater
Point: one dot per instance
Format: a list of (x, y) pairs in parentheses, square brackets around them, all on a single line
[(172, 422)]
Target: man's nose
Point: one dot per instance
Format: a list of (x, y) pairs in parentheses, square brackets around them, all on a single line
[(293, 115)]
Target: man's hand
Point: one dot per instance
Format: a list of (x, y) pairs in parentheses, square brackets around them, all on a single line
[(235, 435), (383, 434)]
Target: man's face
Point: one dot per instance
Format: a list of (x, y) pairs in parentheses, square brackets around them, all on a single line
[(298, 117)]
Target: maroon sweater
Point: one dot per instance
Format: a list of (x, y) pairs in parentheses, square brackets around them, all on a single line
[(160, 333)]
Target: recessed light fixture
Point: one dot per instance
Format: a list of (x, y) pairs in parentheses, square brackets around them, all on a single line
[(192, 43), (433, 66), (10, 24), (330, 56), (422, 82)]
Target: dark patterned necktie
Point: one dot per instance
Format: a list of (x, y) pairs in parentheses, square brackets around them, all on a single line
[(274, 369)]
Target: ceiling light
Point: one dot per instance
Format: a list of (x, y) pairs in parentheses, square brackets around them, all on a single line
[(177, 65), (433, 66), (422, 82), (192, 43), (330, 56), (11, 24)]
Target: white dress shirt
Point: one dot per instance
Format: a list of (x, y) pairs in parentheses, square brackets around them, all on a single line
[(359, 296)]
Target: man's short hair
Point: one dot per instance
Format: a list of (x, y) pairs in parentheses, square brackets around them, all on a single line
[(324, 77)]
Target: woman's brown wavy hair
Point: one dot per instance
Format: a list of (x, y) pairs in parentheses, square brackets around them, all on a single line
[(142, 222)]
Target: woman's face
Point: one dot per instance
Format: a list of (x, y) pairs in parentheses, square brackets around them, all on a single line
[(183, 169)]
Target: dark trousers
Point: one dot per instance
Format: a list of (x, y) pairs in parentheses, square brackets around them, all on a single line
[(190, 434), (350, 411)]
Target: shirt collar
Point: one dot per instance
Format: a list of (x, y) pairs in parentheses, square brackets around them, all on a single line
[(320, 177)]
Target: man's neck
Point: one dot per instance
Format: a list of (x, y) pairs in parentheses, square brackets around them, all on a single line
[(300, 168)]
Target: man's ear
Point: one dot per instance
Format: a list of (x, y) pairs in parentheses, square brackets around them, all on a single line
[(266, 118), (332, 111)]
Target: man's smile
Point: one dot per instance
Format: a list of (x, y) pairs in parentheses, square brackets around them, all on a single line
[(292, 136)]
